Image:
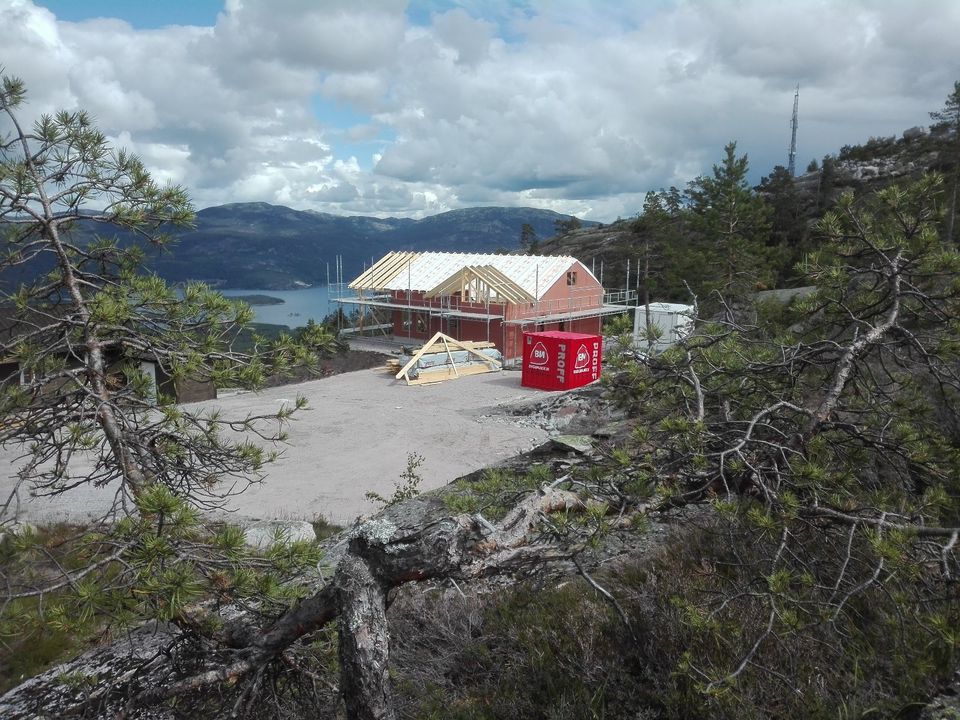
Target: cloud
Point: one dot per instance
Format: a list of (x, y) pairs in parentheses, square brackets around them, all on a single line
[(578, 106), (469, 37), (342, 193), (337, 35)]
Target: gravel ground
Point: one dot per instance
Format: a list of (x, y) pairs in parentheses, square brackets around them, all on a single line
[(354, 438)]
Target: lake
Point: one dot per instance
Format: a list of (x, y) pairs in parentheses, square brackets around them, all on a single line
[(298, 307)]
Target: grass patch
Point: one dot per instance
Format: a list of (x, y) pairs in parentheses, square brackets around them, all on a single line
[(244, 342), (324, 528), (28, 645), (495, 492)]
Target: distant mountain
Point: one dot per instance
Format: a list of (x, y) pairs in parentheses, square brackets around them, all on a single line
[(257, 245)]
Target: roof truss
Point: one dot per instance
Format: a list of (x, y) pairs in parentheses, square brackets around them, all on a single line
[(483, 284), (441, 343), (379, 275)]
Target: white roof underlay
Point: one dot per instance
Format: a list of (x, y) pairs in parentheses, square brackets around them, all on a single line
[(669, 307), (534, 273)]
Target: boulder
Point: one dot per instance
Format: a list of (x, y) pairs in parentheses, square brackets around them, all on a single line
[(914, 133), (580, 444), (265, 533)]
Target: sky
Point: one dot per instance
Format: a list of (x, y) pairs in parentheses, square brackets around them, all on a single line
[(408, 109)]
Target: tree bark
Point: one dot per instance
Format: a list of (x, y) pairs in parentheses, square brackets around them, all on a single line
[(406, 543), (364, 642)]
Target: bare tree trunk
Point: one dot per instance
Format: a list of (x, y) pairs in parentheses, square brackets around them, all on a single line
[(856, 349), (646, 295), (364, 642), (952, 212), (406, 543)]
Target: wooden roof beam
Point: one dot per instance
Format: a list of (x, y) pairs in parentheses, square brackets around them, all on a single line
[(489, 276), (379, 275)]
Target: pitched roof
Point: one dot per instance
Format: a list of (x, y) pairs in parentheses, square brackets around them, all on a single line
[(482, 283), (426, 271)]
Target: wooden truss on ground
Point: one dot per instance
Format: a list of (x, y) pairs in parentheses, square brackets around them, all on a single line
[(441, 344)]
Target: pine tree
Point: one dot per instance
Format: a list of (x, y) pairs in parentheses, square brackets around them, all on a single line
[(788, 223), (84, 412), (828, 445), (528, 238), (949, 117), (733, 224)]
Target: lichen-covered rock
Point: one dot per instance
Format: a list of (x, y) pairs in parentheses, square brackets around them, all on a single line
[(266, 533), (914, 133), (946, 705), (85, 686)]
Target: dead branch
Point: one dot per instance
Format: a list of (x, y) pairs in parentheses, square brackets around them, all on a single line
[(379, 554)]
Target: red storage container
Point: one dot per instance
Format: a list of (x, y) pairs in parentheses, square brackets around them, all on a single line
[(560, 360)]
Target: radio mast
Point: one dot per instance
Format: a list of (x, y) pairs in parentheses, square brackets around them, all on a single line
[(792, 165)]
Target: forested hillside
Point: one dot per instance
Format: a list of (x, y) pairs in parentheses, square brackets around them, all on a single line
[(695, 235), (257, 245)]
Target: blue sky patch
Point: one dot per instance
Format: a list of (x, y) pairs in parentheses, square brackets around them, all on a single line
[(141, 15)]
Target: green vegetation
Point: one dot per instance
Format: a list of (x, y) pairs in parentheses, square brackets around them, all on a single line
[(256, 334), (323, 528), (79, 334), (825, 439), (494, 492), (560, 651), (873, 149), (734, 223), (30, 649), (258, 299), (529, 242), (947, 120), (565, 226), (809, 454), (164, 563), (528, 652), (806, 456), (407, 487), (717, 238)]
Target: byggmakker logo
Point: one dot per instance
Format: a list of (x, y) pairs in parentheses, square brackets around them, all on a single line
[(587, 361), (539, 357)]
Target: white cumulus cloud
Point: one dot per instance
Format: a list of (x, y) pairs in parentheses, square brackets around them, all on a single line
[(383, 107)]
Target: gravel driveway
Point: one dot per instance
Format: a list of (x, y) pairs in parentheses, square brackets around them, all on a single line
[(353, 438)]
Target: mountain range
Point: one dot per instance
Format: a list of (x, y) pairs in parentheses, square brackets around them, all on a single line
[(258, 245)]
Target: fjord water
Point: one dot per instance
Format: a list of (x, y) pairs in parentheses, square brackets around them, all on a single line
[(298, 306)]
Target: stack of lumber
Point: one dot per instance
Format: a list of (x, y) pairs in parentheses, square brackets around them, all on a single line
[(443, 358)]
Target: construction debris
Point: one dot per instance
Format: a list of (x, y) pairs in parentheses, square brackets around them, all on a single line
[(443, 358)]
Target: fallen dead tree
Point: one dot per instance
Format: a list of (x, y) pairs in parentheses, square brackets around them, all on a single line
[(139, 675)]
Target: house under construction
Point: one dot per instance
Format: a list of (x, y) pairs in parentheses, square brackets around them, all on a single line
[(479, 297)]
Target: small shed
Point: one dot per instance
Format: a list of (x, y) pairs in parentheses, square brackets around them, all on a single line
[(15, 324), (671, 323)]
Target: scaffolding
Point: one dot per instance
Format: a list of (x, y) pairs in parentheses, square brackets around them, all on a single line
[(406, 296), (375, 314)]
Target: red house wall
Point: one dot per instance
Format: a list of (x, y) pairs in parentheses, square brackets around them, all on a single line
[(586, 294), (429, 325)]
